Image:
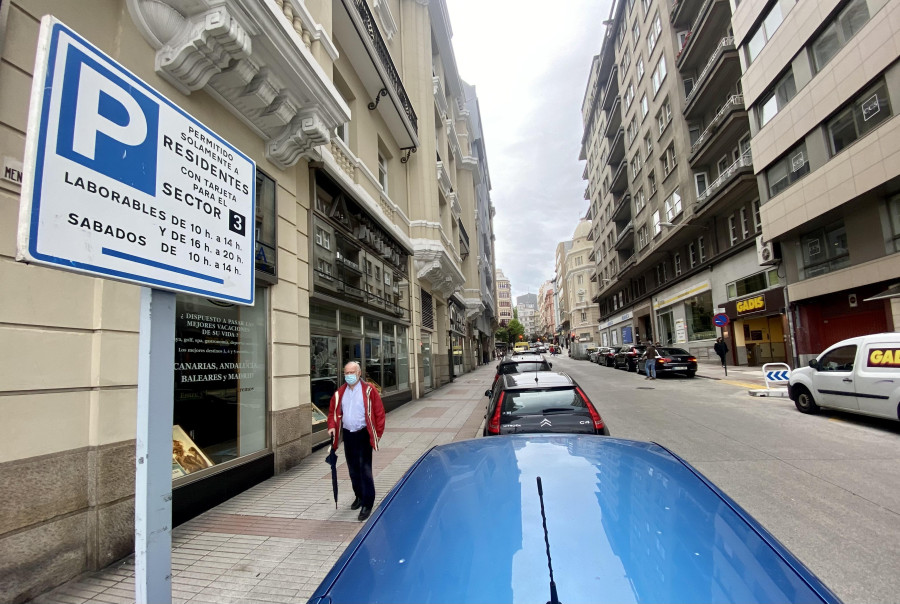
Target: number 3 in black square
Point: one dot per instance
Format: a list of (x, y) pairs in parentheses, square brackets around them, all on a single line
[(236, 222)]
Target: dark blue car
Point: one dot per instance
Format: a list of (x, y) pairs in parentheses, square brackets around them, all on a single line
[(626, 522)]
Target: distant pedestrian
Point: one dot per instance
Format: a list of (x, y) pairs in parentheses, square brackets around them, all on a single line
[(721, 349), (356, 414), (650, 355)]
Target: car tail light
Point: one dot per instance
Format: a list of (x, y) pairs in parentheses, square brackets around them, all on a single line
[(630, 353), (598, 421), (496, 377), (494, 424), (692, 359), (664, 360)]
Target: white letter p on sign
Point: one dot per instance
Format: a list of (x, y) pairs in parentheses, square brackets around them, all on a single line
[(89, 122)]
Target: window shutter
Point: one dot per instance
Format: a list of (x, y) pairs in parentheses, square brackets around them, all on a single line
[(427, 310)]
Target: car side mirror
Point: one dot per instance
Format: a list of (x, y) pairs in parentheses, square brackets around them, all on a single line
[(488, 392), (814, 364)]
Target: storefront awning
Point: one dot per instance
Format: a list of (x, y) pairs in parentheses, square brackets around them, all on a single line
[(891, 292)]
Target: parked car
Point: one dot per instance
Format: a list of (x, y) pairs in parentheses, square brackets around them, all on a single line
[(671, 360), (547, 401), (626, 521), (594, 355), (860, 375), (522, 363), (627, 357), (609, 358)]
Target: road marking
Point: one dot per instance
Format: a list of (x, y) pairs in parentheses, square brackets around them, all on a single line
[(835, 419), (743, 384)]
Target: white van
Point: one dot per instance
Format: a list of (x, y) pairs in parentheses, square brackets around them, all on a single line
[(861, 375)]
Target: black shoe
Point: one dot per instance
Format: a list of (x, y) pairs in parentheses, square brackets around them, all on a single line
[(356, 504), (364, 513)]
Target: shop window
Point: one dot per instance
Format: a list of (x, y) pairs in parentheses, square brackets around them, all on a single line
[(402, 359), (865, 113), (220, 398), (698, 313), (753, 283), (788, 170), (265, 260), (824, 250), (833, 38), (325, 374)]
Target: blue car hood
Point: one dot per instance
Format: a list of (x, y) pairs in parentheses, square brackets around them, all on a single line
[(627, 522)]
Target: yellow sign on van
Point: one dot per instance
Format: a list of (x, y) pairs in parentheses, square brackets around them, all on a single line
[(884, 357), (751, 304)]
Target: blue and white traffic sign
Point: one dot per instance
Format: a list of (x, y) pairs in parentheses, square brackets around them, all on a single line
[(720, 319), (778, 376), (121, 183)]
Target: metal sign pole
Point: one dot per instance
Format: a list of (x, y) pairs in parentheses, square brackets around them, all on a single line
[(153, 476)]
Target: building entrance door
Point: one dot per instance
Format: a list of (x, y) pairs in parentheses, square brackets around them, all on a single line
[(351, 350)]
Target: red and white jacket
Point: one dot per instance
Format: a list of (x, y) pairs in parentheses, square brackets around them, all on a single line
[(374, 414)]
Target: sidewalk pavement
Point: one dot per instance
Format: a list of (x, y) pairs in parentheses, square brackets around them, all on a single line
[(275, 542), (748, 377)]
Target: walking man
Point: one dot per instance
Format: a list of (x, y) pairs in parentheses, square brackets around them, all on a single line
[(356, 413), (650, 363), (721, 349)]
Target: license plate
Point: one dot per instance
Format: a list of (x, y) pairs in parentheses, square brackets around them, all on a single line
[(679, 367)]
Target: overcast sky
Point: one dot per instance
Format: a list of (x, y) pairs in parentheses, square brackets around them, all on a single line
[(529, 62)]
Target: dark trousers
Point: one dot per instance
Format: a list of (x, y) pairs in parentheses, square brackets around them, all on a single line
[(358, 453)]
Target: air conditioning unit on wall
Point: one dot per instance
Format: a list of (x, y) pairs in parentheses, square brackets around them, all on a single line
[(766, 252)]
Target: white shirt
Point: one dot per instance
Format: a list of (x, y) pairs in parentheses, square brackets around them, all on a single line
[(353, 408)]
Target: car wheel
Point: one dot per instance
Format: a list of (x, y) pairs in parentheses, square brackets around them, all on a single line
[(691, 374), (804, 400)]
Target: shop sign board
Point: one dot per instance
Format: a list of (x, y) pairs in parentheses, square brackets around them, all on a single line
[(11, 170), (680, 331), (121, 183), (752, 304)]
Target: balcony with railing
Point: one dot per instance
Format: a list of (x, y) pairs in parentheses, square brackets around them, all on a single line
[(719, 75), (616, 148), (622, 207), (625, 237), (357, 31), (440, 97), (620, 179), (709, 24), (722, 134), (735, 185), (612, 88), (443, 178), (626, 265), (614, 119)]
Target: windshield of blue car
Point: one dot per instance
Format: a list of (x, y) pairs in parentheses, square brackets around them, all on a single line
[(525, 367), (542, 401)]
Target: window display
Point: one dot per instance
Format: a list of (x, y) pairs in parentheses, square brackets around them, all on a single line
[(220, 382)]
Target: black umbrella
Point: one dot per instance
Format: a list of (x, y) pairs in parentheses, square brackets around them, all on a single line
[(332, 461)]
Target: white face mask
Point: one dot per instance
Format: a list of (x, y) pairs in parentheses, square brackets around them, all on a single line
[(351, 379)]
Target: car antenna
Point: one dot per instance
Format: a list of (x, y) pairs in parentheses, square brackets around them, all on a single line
[(554, 599)]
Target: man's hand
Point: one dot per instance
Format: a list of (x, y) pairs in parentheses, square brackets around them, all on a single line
[(331, 433)]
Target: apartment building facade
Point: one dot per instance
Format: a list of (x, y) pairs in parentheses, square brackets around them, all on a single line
[(670, 181), (561, 303), (546, 310), (821, 82), (367, 249), (526, 308), (504, 299)]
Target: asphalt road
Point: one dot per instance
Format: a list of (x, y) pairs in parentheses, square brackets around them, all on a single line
[(827, 486)]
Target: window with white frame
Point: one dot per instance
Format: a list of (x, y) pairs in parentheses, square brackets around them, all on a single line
[(632, 130), (667, 159), (653, 34), (636, 32), (657, 227), (757, 223), (701, 249), (660, 274), (646, 5), (688, 86), (659, 74), (639, 66), (635, 165), (672, 205), (701, 182), (648, 146), (629, 96), (745, 223), (383, 172), (643, 236), (692, 254), (651, 181), (676, 259), (639, 200), (645, 106), (732, 230), (626, 61), (323, 238)]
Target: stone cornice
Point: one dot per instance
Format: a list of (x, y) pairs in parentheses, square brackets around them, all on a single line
[(249, 55), (435, 265)]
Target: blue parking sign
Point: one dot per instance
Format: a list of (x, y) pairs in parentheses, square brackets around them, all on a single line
[(121, 183)]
